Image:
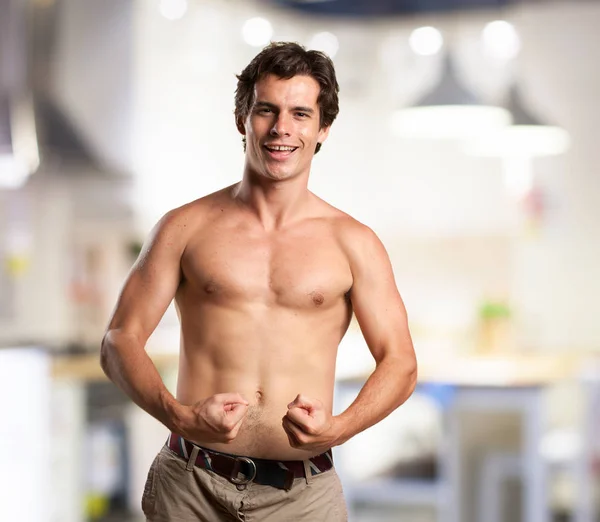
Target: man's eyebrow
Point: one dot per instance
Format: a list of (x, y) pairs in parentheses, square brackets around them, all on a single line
[(265, 104), (304, 109), (269, 105)]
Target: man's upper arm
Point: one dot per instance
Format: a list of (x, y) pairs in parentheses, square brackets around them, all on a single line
[(375, 298), (153, 280)]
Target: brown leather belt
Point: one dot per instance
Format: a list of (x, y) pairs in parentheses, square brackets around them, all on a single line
[(243, 470)]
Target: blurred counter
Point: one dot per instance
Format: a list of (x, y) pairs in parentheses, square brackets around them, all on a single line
[(508, 370), (87, 367), (511, 370)]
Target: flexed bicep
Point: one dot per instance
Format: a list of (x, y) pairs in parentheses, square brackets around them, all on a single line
[(376, 301), (153, 280)]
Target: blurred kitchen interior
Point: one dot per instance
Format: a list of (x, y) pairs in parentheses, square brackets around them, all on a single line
[(467, 139)]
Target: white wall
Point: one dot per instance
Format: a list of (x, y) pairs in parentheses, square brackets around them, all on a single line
[(557, 273), (186, 146), (60, 216), (166, 88), (92, 75), (41, 213)]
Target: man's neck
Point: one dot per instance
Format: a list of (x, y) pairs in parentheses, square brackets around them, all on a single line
[(275, 203)]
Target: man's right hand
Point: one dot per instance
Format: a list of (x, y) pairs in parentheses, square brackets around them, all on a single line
[(215, 419)]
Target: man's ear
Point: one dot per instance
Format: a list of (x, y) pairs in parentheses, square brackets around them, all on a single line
[(323, 133), (240, 126)]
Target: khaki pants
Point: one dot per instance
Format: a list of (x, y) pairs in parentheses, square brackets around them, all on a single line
[(172, 493)]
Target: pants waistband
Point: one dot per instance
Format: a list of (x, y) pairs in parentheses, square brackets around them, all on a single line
[(239, 469)]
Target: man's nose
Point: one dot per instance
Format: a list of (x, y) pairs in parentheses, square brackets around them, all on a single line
[(281, 126)]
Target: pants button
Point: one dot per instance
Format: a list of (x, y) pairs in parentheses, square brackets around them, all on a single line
[(240, 487)]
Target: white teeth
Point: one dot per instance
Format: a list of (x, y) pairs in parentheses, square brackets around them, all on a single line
[(279, 147)]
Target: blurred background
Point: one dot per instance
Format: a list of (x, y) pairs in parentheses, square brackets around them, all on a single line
[(467, 139)]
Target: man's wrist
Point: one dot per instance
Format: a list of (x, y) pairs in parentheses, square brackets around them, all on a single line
[(174, 412), (340, 428)]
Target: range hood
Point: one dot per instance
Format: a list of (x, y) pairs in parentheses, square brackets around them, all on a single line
[(34, 129)]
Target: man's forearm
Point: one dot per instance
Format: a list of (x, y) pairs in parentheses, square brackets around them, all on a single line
[(389, 386), (127, 364)]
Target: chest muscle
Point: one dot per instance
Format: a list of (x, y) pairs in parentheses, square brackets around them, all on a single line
[(296, 272)]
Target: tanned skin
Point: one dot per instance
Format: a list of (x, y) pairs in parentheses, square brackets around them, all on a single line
[(265, 277)]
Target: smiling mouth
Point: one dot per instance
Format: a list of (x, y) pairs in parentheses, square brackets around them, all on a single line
[(280, 151)]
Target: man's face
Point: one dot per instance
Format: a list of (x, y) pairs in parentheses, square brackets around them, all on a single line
[(282, 128)]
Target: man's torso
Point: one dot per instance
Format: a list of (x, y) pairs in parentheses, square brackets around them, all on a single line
[(262, 314)]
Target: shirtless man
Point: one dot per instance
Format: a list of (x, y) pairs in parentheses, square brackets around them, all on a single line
[(265, 277)]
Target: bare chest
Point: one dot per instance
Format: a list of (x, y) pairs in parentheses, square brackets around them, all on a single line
[(299, 271)]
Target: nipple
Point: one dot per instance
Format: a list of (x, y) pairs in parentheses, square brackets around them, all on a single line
[(210, 287), (317, 298)]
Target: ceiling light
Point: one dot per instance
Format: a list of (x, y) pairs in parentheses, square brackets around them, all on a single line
[(426, 41), (325, 42), (257, 32), (527, 136), (519, 143), (173, 9), (501, 40), (448, 111)]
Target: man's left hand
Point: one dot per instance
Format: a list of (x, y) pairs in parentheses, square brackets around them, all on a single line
[(309, 426)]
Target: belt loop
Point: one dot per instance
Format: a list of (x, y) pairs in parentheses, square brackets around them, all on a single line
[(192, 460), (307, 471)]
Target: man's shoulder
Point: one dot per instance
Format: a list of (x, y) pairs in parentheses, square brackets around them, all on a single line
[(354, 237), (347, 228), (199, 210), (186, 219)]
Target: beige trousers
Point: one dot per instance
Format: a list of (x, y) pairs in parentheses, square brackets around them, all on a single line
[(174, 493)]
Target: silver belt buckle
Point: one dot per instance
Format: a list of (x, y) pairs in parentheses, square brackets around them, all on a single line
[(236, 468)]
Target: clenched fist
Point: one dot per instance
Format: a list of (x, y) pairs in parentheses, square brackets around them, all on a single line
[(215, 419), (309, 426)]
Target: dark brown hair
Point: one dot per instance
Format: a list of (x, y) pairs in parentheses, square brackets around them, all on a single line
[(285, 60)]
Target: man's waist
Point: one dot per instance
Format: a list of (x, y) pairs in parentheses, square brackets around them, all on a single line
[(241, 469), (259, 439)]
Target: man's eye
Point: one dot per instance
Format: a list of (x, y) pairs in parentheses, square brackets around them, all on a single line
[(301, 114), (265, 111)]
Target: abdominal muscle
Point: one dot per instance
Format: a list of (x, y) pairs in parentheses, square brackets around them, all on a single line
[(268, 365)]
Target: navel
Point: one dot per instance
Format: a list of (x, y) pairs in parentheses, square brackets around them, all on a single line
[(259, 396)]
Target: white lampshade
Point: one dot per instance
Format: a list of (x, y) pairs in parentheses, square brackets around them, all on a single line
[(448, 111), (527, 136)]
